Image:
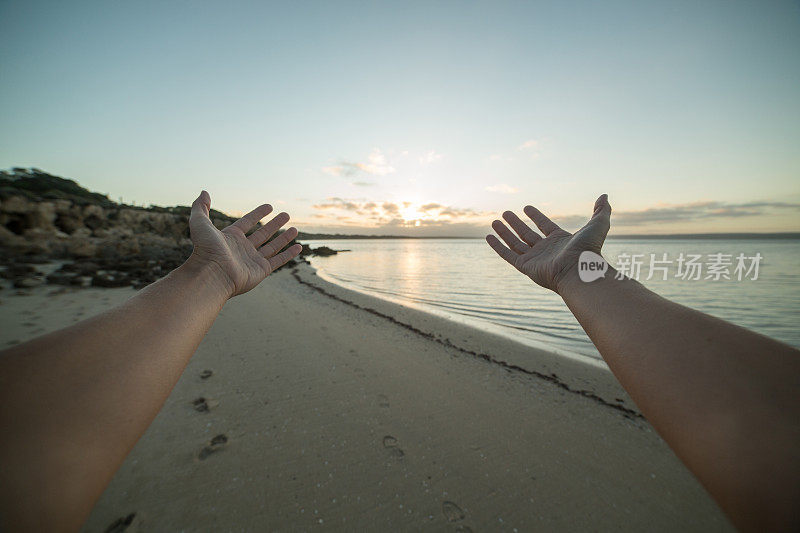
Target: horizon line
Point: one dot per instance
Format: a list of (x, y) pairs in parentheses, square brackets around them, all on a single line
[(720, 235)]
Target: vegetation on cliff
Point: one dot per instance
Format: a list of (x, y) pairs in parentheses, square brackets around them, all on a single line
[(103, 243)]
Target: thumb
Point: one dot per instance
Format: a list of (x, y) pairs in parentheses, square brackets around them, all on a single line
[(602, 209), (601, 216), (201, 207)]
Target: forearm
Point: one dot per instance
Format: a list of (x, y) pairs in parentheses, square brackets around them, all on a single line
[(724, 398), (73, 403)]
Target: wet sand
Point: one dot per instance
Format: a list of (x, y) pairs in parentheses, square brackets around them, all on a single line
[(309, 406)]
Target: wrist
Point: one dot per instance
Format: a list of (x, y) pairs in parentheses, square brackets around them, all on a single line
[(571, 286), (210, 275), (567, 281)]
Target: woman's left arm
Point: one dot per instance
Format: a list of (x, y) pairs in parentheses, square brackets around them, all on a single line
[(73, 403)]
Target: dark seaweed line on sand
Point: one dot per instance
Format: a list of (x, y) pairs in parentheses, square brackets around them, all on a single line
[(552, 378)]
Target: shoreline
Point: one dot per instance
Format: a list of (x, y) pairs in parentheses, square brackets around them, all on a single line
[(488, 327), (529, 366), (324, 408)]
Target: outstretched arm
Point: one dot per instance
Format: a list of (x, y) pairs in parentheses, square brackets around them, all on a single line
[(73, 403), (725, 399)]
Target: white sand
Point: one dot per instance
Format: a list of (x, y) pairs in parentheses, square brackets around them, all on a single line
[(339, 418)]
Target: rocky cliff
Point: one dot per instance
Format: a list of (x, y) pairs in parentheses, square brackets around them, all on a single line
[(44, 218)]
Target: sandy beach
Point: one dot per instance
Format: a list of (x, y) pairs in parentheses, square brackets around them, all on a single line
[(309, 406)]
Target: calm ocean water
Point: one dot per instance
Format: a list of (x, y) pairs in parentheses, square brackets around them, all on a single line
[(465, 281)]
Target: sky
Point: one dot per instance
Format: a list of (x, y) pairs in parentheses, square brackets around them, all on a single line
[(416, 118)]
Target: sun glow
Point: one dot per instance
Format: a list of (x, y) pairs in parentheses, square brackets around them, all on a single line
[(413, 214), (392, 213)]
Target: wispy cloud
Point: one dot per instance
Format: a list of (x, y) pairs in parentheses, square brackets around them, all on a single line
[(699, 210), (376, 213), (430, 157), (502, 188), (391, 208), (341, 170), (376, 164), (463, 212), (530, 147), (339, 203), (682, 213), (570, 222)]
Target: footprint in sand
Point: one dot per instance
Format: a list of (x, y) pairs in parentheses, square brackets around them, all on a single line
[(204, 405), (121, 524), (452, 512), (383, 401), (391, 444), (214, 445), (205, 374)]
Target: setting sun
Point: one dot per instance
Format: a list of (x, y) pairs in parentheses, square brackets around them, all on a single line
[(411, 213), (398, 217)]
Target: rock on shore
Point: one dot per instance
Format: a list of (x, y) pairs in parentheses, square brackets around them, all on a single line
[(102, 243)]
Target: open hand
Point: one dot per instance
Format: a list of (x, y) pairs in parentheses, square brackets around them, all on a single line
[(242, 260), (552, 259)]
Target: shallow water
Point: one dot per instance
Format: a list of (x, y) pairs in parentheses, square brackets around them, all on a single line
[(462, 279)]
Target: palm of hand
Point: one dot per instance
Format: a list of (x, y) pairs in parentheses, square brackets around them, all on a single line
[(229, 249), (548, 260), (543, 262), (242, 259)]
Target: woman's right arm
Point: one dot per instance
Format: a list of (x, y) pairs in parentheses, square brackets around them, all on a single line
[(725, 399)]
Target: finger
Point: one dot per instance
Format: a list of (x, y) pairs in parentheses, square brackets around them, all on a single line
[(602, 207), (201, 206), (511, 240), (265, 232), (601, 216), (284, 257), (277, 244), (546, 225), (522, 229), (247, 222), (501, 250)]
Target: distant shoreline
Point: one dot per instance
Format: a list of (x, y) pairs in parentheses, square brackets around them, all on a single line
[(684, 236), (718, 236)]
